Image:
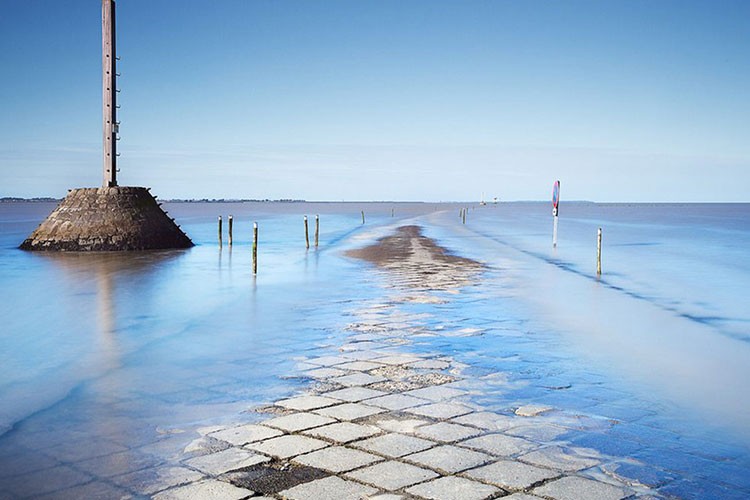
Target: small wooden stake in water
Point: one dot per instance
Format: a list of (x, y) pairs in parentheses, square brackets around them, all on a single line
[(363, 216), (393, 212), (220, 230), (464, 217), (307, 236), (599, 252), (317, 230), (255, 248), (230, 230)]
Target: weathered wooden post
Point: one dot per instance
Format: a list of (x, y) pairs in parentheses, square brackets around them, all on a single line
[(255, 248), (393, 212), (599, 252), (464, 217), (363, 216), (230, 230), (317, 230), (307, 237), (220, 231), (109, 92)]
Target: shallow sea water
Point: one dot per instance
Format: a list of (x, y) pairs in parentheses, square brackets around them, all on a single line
[(109, 363)]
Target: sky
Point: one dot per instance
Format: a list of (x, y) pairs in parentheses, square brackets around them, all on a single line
[(384, 100)]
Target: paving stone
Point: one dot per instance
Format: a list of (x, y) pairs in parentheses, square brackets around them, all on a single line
[(357, 379), (487, 420), (362, 355), (430, 364), (385, 496), (337, 459), (325, 373), (224, 461), (360, 366), (499, 444), (538, 432), (408, 425), (446, 432), (150, 481), (392, 475), (355, 394), (349, 411), (398, 359), (244, 434), (440, 410), (520, 496), (327, 360), (298, 421), (397, 401), (557, 458), (437, 393), (453, 488), (303, 403), (532, 410), (511, 475), (203, 490), (329, 488), (578, 488), (288, 446), (344, 432), (449, 458), (394, 445)]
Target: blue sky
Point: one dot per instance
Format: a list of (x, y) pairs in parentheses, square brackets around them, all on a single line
[(384, 100)]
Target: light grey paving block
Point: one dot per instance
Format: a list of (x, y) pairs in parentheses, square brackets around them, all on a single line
[(440, 410), (518, 496), (357, 379), (226, 460), (578, 488), (398, 359), (499, 444), (539, 432), (488, 420), (532, 410), (327, 360), (446, 432), (349, 411), (325, 373), (397, 401), (449, 458), (453, 488), (399, 425), (337, 459), (328, 488), (204, 490), (308, 402), (436, 393), (557, 458), (150, 481), (298, 421), (354, 394), (392, 475), (343, 432), (360, 366), (245, 434), (430, 364), (385, 496), (288, 446), (362, 355), (511, 475), (394, 445)]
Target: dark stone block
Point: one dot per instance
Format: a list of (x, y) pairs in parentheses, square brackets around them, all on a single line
[(107, 219)]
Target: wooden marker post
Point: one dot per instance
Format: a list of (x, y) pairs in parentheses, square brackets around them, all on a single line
[(220, 230), (255, 248), (317, 230), (599, 252), (363, 216), (555, 211), (393, 212), (307, 236), (230, 230), (463, 219)]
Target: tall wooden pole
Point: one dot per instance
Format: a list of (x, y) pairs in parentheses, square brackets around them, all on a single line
[(109, 93)]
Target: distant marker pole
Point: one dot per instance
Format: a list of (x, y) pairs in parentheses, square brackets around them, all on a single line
[(599, 252), (463, 219), (230, 230), (307, 235), (393, 212), (317, 230), (555, 211), (220, 230), (255, 248), (363, 216)]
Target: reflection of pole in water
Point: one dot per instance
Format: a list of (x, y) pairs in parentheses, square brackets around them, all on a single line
[(106, 315)]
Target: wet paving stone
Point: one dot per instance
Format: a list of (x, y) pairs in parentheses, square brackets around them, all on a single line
[(343, 432), (245, 434), (394, 445), (337, 459), (392, 475), (350, 411), (150, 481), (298, 421), (578, 488), (225, 461), (499, 444), (449, 459), (287, 446), (329, 488), (273, 477), (453, 488), (558, 459), (511, 475), (447, 432), (209, 488)]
